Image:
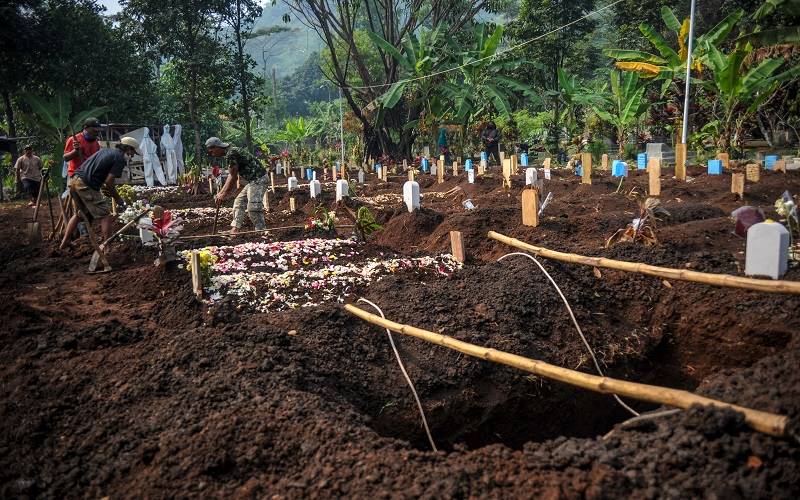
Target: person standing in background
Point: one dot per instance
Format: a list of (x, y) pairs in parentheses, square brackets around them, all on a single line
[(29, 171), (491, 142)]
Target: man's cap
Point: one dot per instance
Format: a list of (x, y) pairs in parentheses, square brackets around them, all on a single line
[(216, 142), (130, 141), (92, 122), (28, 146)]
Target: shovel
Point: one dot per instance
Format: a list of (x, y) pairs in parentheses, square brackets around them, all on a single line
[(99, 253), (34, 231), (216, 219)]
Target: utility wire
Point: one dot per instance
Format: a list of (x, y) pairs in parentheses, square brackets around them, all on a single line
[(497, 54)]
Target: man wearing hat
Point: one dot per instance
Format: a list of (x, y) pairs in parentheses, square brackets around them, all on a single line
[(251, 199), (96, 173), (81, 146), (29, 171)]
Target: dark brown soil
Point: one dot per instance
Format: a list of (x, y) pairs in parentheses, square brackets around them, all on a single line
[(121, 385)]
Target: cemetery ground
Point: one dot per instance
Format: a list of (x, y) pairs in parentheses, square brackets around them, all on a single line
[(123, 384)]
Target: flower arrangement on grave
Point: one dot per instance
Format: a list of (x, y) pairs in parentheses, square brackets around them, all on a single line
[(643, 228), (166, 229), (132, 210), (207, 261), (323, 221), (787, 208), (127, 193)]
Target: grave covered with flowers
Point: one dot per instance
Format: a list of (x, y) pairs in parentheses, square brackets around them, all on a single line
[(267, 276)]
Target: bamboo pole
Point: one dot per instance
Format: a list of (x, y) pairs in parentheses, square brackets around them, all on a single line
[(723, 280), (768, 423)]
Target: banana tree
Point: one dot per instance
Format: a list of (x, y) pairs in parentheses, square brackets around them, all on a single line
[(572, 96), (483, 90), (623, 106), (760, 37), (52, 119), (297, 132), (741, 89)]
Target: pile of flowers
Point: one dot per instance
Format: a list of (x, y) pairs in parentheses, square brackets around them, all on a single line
[(149, 191), (323, 220), (133, 210), (202, 214), (291, 274), (380, 201)]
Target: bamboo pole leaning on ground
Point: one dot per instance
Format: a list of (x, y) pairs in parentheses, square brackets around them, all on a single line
[(723, 280), (768, 423)]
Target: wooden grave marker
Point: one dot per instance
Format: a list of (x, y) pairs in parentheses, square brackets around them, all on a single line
[(604, 162), (737, 184), (530, 207), (654, 176), (779, 166), (272, 181), (455, 167), (457, 246), (507, 173), (197, 280), (265, 200), (726, 158), (291, 204), (753, 171), (680, 162), (586, 168), (440, 170)]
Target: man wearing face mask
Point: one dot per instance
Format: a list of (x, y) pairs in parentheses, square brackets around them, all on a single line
[(81, 146)]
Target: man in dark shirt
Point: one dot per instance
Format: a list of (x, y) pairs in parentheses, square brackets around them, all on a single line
[(96, 173), (491, 142), (251, 198)]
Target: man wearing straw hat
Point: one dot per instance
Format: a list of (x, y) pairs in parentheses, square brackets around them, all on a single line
[(96, 173)]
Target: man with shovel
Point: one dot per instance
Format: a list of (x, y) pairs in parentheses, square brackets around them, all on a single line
[(99, 171), (29, 171), (251, 199)]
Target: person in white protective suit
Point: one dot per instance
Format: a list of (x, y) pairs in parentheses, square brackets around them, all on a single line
[(170, 161), (150, 159), (176, 139)]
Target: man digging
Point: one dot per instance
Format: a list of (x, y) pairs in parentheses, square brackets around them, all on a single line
[(96, 173), (29, 171), (241, 164)]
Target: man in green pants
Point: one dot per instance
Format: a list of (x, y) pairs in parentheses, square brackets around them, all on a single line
[(241, 164)]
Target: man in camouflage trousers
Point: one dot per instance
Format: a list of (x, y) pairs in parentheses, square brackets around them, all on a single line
[(241, 164)]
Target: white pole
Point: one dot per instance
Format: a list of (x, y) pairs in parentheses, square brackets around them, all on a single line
[(341, 125), (688, 76)]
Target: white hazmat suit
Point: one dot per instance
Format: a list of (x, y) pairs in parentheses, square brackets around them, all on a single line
[(176, 139), (170, 160), (151, 161)]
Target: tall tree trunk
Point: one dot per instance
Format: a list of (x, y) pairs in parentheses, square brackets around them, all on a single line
[(12, 132), (240, 63), (193, 117)]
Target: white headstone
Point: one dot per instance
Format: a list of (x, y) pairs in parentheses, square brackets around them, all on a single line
[(767, 250), (314, 175), (547, 174), (314, 188), (434, 168), (145, 234), (471, 176), (291, 184), (411, 195), (531, 175), (342, 189), (361, 177), (278, 168)]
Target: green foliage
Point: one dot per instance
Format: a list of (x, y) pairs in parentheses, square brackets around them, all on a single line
[(596, 148), (623, 106), (365, 223)]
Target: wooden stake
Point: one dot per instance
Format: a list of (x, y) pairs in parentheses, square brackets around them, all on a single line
[(680, 162), (725, 157), (265, 201), (197, 280), (502, 158), (586, 164), (440, 170), (272, 181), (455, 167), (411, 174), (342, 170), (779, 166), (604, 162), (333, 172), (768, 423), (507, 173), (753, 171), (723, 280), (737, 184), (457, 246), (654, 173), (291, 204), (514, 165), (405, 165), (546, 162), (530, 207)]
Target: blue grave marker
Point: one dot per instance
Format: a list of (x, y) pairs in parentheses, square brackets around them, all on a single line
[(468, 165), (769, 161), (619, 168), (714, 167), (484, 156), (426, 166), (523, 159), (579, 170), (641, 161), (309, 173)]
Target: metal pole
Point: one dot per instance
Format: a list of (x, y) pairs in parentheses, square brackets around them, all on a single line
[(341, 125), (688, 77)]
